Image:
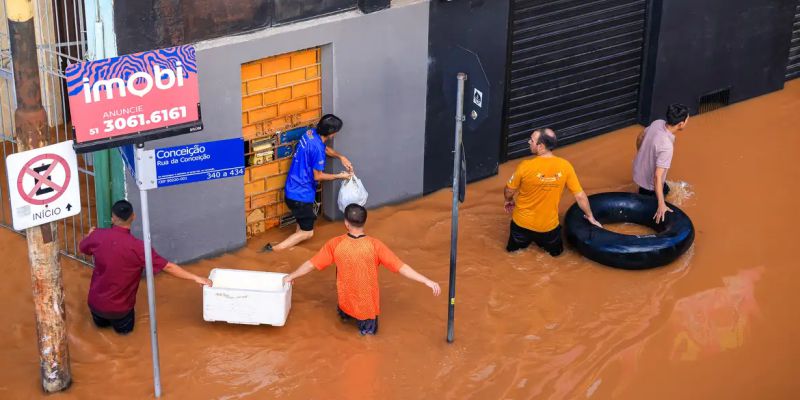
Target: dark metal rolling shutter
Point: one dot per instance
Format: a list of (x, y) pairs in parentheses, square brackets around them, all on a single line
[(575, 66), (793, 69)]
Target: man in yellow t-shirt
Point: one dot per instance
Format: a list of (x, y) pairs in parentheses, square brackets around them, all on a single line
[(538, 184)]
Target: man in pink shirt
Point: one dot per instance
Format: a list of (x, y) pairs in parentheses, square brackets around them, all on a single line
[(118, 266), (654, 156)]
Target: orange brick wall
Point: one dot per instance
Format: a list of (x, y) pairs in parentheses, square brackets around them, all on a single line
[(278, 93)]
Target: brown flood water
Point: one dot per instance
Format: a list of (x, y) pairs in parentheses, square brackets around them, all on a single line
[(719, 323), (629, 229)]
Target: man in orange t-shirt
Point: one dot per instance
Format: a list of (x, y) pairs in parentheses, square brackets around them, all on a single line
[(357, 258), (538, 184)]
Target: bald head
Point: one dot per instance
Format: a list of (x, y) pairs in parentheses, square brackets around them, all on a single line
[(546, 137)]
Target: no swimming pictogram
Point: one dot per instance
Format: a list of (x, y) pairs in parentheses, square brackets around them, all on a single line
[(45, 183)]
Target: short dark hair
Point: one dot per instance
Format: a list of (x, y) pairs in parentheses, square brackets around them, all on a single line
[(329, 124), (549, 142), (356, 215), (677, 113), (122, 209)]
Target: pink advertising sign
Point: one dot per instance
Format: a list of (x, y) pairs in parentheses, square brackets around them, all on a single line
[(134, 98)]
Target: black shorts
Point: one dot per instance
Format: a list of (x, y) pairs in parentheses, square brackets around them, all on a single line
[(520, 238), (122, 325), (365, 326), (653, 193), (303, 213)]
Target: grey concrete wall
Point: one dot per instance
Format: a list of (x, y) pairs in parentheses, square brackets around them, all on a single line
[(374, 78)]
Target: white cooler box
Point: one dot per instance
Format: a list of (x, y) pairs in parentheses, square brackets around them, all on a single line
[(247, 297)]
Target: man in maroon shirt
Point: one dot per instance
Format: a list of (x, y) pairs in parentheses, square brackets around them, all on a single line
[(118, 267)]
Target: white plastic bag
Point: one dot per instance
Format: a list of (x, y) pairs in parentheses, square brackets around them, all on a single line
[(352, 191)]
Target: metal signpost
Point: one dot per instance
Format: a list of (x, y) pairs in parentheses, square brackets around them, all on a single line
[(176, 166), (472, 113), (457, 195), (132, 99)]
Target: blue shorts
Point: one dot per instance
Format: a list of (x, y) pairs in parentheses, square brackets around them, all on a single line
[(365, 326)]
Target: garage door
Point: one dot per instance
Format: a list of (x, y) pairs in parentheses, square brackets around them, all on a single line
[(793, 70), (575, 66)]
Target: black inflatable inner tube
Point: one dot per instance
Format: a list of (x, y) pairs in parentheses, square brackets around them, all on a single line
[(673, 236)]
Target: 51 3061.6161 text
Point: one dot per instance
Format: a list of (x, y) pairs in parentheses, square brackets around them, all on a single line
[(141, 120)]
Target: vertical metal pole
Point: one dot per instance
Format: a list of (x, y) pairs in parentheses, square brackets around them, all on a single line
[(462, 77), (151, 290)]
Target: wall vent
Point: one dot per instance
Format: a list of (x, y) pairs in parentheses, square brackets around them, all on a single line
[(714, 100)]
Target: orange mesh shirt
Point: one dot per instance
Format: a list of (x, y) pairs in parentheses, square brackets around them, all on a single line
[(357, 261)]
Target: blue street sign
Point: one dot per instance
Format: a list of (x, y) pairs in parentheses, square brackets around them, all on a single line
[(199, 162)]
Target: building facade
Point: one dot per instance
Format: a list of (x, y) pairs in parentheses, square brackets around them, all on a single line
[(270, 67)]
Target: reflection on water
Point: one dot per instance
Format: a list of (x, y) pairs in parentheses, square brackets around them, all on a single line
[(240, 367), (627, 228), (528, 326), (699, 326), (716, 319)]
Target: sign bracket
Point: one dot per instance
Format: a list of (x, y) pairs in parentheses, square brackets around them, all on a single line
[(145, 168)]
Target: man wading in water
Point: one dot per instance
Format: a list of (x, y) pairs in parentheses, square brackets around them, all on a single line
[(357, 258), (654, 155), (118, 266), (538, 184), (304, 173)]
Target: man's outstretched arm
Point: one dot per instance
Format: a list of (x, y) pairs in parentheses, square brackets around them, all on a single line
[(178, 272), (300, 271), (410, 273), (320, 176), (335, 154)]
